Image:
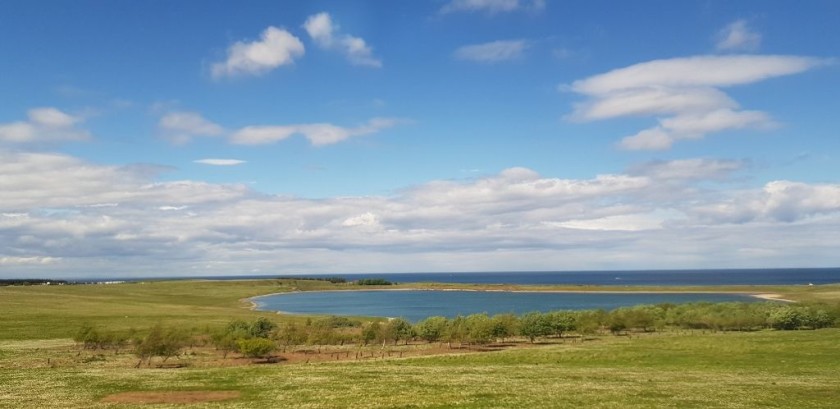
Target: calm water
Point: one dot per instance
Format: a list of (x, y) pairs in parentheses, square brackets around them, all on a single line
[(787, 276), (416, 305), (781, 276)]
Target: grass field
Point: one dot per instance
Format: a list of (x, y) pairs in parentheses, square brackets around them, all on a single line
[(782, 369)]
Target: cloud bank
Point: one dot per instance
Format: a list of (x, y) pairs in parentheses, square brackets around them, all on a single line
[(60, 215)]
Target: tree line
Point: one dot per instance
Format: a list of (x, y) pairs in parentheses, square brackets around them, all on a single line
[(262, 337)]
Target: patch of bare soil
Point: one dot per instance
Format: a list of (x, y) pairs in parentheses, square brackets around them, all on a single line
[(171, 397)]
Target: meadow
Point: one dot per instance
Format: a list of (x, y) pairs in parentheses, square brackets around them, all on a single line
[(40, 366)]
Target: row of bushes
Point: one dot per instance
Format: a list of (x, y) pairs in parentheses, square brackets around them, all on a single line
[(261, 337)]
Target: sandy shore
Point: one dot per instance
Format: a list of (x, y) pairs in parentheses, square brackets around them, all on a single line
[(771, 297)]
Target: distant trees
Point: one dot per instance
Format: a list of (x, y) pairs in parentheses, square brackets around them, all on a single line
[(373, 281), (259, 338), (795, 317), (333, 280), (32, 281)]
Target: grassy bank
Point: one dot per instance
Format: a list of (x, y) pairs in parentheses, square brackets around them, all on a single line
[(721, 370), (44, 312)]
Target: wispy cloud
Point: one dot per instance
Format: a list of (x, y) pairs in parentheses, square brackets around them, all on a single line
[(36, 260), (319, 134), (738, 36), (683, 94), (44, 125), (326, 34), (181, 127), (276, 47), (492, 52), (492, 6), (219, 162)]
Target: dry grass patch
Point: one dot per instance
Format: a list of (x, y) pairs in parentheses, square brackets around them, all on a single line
[(170, 397)]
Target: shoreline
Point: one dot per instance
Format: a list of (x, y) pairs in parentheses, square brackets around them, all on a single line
[(772, 297), (762, 296)]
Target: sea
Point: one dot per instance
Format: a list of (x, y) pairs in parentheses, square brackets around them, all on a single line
[(776, 276)]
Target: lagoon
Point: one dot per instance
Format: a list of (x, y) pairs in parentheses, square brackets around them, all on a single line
[(415, 305)]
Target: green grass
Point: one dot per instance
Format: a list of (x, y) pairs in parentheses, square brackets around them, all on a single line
[(774, 369), (726, 370), (38, 312)]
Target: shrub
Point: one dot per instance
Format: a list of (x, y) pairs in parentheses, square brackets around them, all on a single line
[(256, 347)]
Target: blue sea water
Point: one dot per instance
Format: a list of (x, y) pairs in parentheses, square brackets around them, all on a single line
[(778, 276), (417, 305), (786, 276)]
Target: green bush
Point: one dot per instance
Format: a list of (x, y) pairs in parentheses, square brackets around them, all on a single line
[(256, 347)]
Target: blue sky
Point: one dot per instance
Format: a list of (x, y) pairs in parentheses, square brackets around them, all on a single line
[(187, 138)]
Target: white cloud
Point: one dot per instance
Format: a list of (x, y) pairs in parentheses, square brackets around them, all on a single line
[(514, 219), (220, 162), (692, 72), (320, 29), (695, 126), (325, 34), (629, 222), (275, 48), (181, 127), (738, 36), (52, 118), (492, 6), (778, 201), (44, 125), (13, 260), (318, 134), (683, 94), (492, 52)]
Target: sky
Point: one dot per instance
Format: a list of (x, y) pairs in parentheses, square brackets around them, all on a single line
[(158, 138)]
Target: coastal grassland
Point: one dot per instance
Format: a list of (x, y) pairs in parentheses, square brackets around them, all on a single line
[(41, 367), (41, 312), (44, 312), (773, 369)]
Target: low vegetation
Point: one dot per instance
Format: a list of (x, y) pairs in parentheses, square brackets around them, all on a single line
[(373, 281), (260, 338), (104, 345)]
